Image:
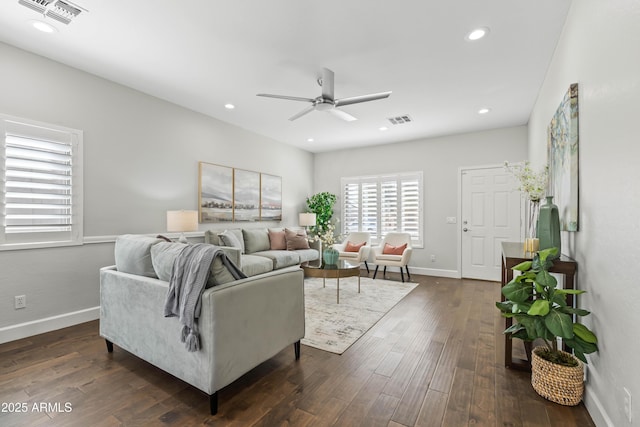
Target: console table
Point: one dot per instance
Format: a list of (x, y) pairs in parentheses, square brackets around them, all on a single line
[(513, 254)]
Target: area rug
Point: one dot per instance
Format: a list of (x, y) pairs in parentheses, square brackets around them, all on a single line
[(335, 327)]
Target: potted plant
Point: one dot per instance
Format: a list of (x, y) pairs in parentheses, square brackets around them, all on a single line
[(540, 311), (322, 205)]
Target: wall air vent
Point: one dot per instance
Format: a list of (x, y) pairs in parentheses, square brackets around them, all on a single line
[(62, 11), (400, 119)]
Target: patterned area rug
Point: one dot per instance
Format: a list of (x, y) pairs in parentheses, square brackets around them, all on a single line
[(335, 327)]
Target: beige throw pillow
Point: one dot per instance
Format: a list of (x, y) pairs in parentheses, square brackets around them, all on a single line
[(296, 239)]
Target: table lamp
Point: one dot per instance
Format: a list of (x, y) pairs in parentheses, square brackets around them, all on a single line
[(181, 221), (307, 219)]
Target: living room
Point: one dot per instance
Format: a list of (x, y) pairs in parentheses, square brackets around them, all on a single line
[(141, 155)]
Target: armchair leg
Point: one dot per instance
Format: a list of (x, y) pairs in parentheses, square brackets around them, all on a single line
[(402, 274), (213, 403), (407, 268), (375, 272), (296, 349), (366, 265), (384, 272)]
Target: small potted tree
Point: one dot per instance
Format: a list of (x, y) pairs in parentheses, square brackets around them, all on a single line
[(540, 311)]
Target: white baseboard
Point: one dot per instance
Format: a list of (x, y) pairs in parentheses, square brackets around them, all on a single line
[(452, 274), (596, 410), (40, 326)]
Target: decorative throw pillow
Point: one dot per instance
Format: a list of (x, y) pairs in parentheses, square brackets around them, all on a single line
[(255, 240), (230, 239), (163, 256), (133, 254), (220, 274), (277, 239), (296, 239), (393, 250), (354, 247)]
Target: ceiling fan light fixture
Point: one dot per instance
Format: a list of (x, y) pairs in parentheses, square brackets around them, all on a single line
[(477, 34)]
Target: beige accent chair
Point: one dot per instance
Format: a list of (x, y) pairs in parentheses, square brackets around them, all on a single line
[(362, 255), (394, 239)]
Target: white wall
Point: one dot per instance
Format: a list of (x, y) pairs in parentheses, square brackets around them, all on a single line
[(440, 160), (599, 51), (140, 159)]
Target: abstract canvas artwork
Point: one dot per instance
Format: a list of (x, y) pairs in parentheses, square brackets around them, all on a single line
[(562, 145), (216, 193), (270, 197), (246, 195)]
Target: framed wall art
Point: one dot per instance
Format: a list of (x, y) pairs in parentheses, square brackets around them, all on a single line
[(562, 145), (215, 193), (246, 195), (270, 197)]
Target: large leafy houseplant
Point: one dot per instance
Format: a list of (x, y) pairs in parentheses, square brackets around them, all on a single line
[(322, 205), (540, 310)]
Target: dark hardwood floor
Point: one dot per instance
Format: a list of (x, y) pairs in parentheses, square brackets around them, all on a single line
[(436, 359)]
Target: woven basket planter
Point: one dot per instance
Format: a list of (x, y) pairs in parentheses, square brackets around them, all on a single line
[(557, 383)]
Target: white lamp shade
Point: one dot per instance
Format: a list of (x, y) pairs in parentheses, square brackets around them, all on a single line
[(307, 219), (182, 221)]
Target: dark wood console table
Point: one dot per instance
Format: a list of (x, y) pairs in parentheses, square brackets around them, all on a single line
[(513, 254)]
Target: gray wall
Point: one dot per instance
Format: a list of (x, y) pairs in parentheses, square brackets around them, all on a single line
[(440, 159), (598, 50), (140, 159)]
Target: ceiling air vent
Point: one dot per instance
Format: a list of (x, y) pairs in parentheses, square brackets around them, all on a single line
[(61, 11), (400, 120)]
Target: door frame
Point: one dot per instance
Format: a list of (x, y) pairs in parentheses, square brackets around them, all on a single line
[(462, 169)]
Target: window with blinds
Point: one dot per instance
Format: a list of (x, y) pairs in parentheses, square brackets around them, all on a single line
[(42, 184), (383, 204)]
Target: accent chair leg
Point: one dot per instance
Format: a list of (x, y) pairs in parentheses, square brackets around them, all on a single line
[(109, 346), (213, 403), (408, 274), (296, 349), (367, 265), (384, 272), (375, 272), (402, 274)]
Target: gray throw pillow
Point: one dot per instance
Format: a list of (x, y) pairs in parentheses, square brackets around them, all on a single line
[(133, 254), (256, 240), (163, 256), (219, 274), (228, 238), (296, 239)]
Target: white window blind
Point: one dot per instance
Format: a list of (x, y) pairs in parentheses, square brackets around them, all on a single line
[(383, 204), (42, 184)]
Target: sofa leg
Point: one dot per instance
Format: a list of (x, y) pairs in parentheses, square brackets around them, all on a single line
[(296, 349), (109, 346), (375, 272), (367, 265), (213, 403), (402, 274)]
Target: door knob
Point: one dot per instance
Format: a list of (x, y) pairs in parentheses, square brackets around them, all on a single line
[(465, 229)]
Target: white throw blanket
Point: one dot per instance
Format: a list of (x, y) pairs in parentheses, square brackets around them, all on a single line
[(191, 270)]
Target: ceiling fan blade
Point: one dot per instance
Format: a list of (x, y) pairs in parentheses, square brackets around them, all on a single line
[(302, 113), (327, 84), (341, 114), (362, 98), (290, 98)]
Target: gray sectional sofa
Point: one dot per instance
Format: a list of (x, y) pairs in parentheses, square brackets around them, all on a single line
[(242, 322)]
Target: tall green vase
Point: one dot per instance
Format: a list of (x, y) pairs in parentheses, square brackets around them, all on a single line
[(549, 226)]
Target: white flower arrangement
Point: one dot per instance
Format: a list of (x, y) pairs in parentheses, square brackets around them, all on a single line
[(327, 237), (531, 183)]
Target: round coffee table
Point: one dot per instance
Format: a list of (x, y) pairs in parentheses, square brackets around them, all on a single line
[(332, 271)]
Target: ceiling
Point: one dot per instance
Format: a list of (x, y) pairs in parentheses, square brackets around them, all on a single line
[(203, 54)]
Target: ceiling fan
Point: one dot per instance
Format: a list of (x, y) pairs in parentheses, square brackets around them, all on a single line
[(326, 101)]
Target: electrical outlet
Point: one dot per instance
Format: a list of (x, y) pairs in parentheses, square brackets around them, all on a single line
[(451, 220), (433, 258), (20, 301), (627, 403)]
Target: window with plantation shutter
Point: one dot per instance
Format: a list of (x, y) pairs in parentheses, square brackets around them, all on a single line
[(41, 186), (382, 204)]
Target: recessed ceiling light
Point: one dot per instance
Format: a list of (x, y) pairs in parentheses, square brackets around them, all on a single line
[(229, 106), (43, 26), (477, 34), (383, 128), (309, 139), (484, 110)]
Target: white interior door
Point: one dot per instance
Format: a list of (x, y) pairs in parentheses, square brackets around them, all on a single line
[(490, 214)]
